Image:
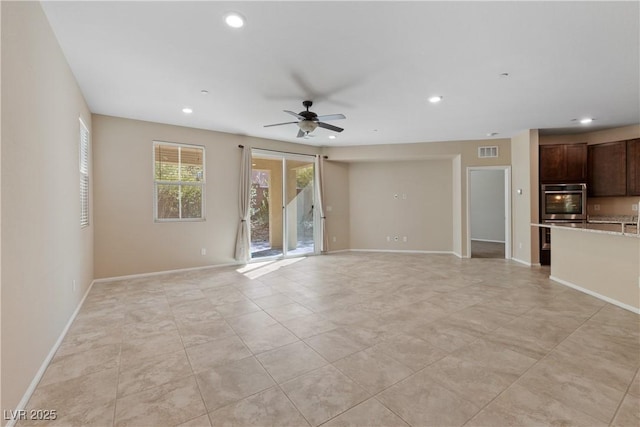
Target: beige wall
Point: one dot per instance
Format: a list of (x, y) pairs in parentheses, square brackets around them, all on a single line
[(411, 199), (605, 264), (337, 208), (462, 154), (127, 240), (1, 400), (43, 247), (524, 177)]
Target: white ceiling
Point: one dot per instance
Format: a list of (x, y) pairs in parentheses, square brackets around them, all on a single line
[(375, 62)]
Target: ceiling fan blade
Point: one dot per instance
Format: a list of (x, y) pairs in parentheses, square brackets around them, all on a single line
[(330, 127), (294, 114), (332, 117), (300, 133), (280, 124)]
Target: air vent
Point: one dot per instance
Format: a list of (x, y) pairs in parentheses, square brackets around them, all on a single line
[(485, 152)]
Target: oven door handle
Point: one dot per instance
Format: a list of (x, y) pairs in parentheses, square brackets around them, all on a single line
[(563, 192)]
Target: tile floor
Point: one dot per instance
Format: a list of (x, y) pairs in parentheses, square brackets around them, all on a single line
[(353, 339)]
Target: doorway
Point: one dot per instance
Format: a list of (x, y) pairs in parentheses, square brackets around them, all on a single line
[(283, 221), (488, 212)]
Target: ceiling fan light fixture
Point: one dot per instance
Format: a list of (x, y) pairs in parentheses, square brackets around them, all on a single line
[(307, 125), (435, 99), (234, 20)]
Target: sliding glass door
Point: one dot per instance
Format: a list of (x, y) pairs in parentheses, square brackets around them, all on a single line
[(282, 205), (299, 214)]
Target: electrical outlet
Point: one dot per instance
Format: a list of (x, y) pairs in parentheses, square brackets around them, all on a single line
[(388, 238), (596, 207), (334, 239), (634, 207), (520, 245), (73, 285), (404, 239), (203, 251), (404, 196)]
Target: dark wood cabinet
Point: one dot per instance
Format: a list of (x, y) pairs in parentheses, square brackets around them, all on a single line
[(607, 169), (576, 163), (563, 163), (633, 167)]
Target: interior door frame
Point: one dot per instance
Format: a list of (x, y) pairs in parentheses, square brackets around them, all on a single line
[(507, 206)]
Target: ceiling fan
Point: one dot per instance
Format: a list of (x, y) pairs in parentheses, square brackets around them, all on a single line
[(308, 121)]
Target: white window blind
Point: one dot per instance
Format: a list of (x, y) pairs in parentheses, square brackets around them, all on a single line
[(179, 181), (84, 175)]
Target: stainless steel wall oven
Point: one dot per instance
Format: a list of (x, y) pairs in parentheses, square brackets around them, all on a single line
[(564, 202)]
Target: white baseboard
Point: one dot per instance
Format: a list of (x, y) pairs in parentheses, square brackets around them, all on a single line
[(403, 251), (631, 308), (487, 240), (45, 364), (160, 273), (528, 264)]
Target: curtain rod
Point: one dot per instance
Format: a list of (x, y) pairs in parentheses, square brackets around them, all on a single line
[(284, 152)]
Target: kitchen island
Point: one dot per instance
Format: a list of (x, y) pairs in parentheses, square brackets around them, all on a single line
[(598, 261)]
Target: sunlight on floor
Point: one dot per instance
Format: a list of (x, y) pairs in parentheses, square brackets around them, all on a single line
[(257, 269)]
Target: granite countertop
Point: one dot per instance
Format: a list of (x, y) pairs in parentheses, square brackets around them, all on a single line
[(617, 228), (613, 219)]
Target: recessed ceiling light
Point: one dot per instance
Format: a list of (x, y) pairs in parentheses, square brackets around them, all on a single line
[(586, 120), (332, 137), (187, 110), (435, 99), (204, 92), (234, 20)]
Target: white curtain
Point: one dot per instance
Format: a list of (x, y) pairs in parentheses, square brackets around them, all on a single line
[(319, 176), (243, 240)]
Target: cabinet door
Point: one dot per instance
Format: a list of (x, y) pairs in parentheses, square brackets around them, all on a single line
[(551, 163), (576, 162), (633, 167), (607, 169)]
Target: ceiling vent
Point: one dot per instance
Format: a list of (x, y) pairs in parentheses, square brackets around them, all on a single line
[(488, 151)]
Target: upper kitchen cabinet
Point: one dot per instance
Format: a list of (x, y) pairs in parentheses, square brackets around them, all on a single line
[(633, 167), (563, 163), (607, 169)]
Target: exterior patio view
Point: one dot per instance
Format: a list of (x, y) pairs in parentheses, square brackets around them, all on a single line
[(275, 222)]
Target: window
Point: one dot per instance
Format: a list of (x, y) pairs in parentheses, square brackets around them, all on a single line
[(178, 181), (84, 175)]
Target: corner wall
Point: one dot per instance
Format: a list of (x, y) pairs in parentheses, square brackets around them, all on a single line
[(337, 208), (460, 155), (43, 247), (127, 240), (409, 200), (524, 178)]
